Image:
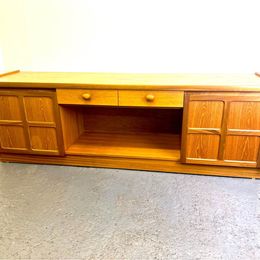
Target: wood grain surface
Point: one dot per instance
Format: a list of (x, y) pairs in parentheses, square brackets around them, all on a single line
[(30, 122), (122, 132), (138, 145), (158, 98), (222, 129), (96, 97), (220, 126), (134, 163), (188, 82)]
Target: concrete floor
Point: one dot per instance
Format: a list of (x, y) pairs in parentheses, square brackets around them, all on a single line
[(55, 212)]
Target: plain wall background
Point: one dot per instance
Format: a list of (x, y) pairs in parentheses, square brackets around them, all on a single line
[(130, 35)]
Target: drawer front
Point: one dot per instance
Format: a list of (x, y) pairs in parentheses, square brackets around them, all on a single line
[(151, 98), (87, 97)]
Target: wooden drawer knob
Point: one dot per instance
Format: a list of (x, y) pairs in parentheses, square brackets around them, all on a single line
[(86, 96), (150, 97)]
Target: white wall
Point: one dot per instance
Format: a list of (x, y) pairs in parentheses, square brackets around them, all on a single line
[(130, 35)]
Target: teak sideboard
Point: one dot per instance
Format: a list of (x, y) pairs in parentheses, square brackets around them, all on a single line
[(184, 123)]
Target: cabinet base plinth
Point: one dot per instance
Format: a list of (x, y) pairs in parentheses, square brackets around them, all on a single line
[(134, 164)]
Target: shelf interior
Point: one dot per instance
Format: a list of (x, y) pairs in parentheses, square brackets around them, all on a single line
[(144, 145), (122, 132)]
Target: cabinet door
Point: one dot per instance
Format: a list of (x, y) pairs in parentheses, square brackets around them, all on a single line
[(243, 132), (221, 129), (29, 123), (13, 136)]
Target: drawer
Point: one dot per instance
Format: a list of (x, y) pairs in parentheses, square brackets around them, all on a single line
[(87, 97), (151, 98)]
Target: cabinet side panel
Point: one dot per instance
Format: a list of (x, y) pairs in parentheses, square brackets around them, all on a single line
[(70, 125)]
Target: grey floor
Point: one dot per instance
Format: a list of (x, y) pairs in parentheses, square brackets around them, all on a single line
[(53, 212)]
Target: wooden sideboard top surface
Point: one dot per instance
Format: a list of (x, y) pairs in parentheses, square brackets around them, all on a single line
[(187, 82)]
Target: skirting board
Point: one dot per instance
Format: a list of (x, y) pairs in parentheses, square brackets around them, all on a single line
[(134, 164)]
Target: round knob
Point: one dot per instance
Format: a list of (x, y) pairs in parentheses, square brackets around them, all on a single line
[(86, 96), (150, 97)]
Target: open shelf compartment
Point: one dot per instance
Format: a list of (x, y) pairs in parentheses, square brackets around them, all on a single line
[(122, 132)]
